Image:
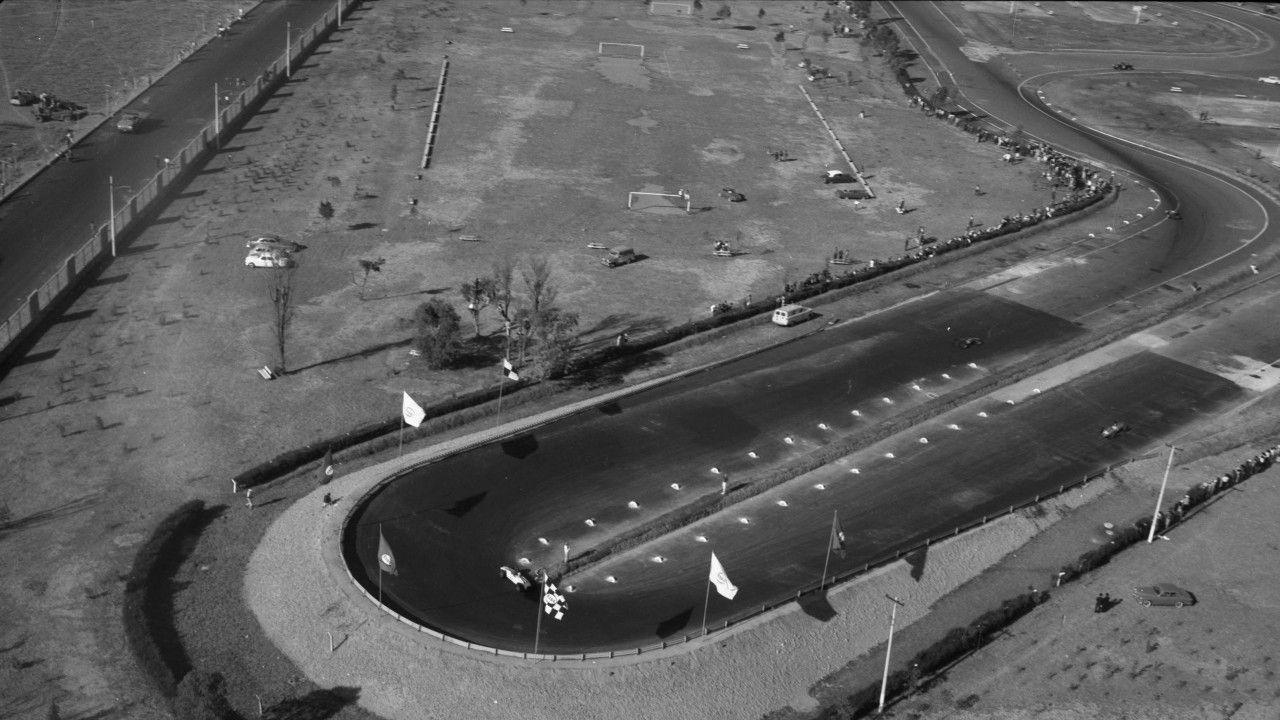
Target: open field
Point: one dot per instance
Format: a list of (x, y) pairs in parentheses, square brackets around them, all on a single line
[(1050, 25), (144, 395), (1240, 116)]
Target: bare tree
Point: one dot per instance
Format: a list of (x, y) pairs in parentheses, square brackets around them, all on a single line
[(479, 294), (368, 266), (503, 280), (280, 286), (539, 289)]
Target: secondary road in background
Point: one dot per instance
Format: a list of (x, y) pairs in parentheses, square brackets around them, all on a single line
[(55, 213)]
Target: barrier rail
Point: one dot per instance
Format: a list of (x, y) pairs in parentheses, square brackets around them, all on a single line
[(728, 622)]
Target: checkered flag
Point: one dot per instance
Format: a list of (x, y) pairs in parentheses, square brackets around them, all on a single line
[(553, 603)]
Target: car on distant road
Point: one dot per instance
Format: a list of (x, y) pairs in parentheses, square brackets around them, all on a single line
[(268, 259), (1270, 79), (274, 242), (129, 122), (1122, 66), (1114, 429), (1163, 594)]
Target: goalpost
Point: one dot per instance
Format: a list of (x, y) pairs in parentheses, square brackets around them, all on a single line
[(628, 50), (672, 201), (671, 8)]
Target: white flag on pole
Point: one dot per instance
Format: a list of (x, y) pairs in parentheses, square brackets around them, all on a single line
[(721, 580), (509, 370), (413, 412)]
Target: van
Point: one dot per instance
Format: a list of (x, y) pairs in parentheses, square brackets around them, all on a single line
[(619, 256), (791, 314)]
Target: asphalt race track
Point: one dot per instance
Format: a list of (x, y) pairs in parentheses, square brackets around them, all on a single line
[(454, 522)]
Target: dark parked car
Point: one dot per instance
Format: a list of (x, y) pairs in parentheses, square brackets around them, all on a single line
[(1122, 66), (1163, 594)]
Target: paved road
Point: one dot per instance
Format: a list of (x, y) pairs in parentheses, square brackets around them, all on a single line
[(1212, 203), (51, 217), (452, 523), (455, 521)]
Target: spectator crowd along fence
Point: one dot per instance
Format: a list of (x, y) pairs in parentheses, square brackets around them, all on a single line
[(233, 109)]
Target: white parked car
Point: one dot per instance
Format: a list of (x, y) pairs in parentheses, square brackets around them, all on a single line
[(268, 259), (273, 242), (1270, 79)]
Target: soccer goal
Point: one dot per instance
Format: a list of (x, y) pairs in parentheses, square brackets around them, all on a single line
[(624, 50), (659, 202), (671, 8)]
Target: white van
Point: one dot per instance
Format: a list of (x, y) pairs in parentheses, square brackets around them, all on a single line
[(791, 314)]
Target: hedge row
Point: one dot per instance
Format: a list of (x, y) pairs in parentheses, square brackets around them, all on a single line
[(953, 646), (147, 611)]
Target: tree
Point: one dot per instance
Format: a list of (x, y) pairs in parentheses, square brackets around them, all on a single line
[(202, 696), (479, 294), (556, 340), (539, 289), (368, 266), (502, 278), (724, 12), (780, 37), (760, 14), (940, 96), (437, 332), (326, 211), (280, 290), (697, 4)]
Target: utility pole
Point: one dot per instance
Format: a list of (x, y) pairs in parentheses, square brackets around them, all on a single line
[(111, 221), (288, 50), (1151, 536), (888, 650)]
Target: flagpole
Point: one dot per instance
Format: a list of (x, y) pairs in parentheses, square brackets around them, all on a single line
[(825, 563), (537, 627), (706, 600), (380, 565), (401, 450), (502, 383)]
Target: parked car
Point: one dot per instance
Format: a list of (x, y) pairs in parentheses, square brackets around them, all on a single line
[(1270, 79), (1122, 66), (129, 122), (1114, 429), (516, 577), (273, 242), (268, 259), (836, 176), (1163, 594), (619, 256), (968, 342)]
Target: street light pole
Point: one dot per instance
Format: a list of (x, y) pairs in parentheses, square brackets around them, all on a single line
[(111, 221), (1155, 515), (888, 650), (217, 116)]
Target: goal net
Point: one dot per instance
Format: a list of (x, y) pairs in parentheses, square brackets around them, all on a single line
[(671, 8), (622, 50), (662, 203)]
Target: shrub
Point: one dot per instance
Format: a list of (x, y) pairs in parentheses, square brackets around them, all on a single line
[(147, 610)]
